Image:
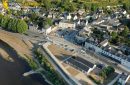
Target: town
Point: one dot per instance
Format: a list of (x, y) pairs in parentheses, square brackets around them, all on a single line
[(75, 47)]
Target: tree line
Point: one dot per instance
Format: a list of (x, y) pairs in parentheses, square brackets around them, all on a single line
[(13, 24), (50, 73)]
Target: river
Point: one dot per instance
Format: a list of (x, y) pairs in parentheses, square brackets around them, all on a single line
[(11, 72)]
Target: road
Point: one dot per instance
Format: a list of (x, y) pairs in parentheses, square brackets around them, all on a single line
[(58, 68), (79, 51)]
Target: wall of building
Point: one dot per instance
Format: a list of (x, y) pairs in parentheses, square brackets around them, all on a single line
[(66, 25), (108, 54)]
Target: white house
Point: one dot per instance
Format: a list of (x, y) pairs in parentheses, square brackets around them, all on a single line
[(51, 29), (66, 24), (124, 12), (104, 43), (48, 30), (75, 17), (68, 17)]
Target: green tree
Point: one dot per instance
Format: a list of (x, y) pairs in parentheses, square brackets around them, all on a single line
[(48, 21), (93, 7), (106, 71), (114, 35), (47, 4), (1, 16), (22, 26), (72, 7), (124, 6), (110, 69), (14, 25), (4, 21), (125, 32)]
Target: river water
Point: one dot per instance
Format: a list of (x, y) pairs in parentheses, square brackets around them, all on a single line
[(11, 72)]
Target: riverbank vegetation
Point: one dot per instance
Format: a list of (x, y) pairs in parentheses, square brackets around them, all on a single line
[(13, 24), (49, 72), (31, 62)]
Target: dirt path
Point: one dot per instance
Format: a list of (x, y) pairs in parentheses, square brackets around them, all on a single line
[(11, 72), (16, 42)]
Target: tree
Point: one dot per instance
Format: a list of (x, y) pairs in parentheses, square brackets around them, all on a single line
[(48, 21), (125, 32), (124, 6), (12, 25), (107, 71), (1, 16), (46, 4), (72, 7), (22, 26), (4, 21), (110, 69), (120, 1), (93, 7), (114, 35)]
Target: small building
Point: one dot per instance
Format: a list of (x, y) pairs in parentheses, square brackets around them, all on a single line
[(104, 43), (68, 17), (75, 17), (66, 24), (86, 31), (123, 79), (81, 64), (14, 6)]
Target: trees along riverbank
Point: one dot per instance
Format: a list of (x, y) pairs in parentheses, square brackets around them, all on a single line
[(13, 24), (49, 72)]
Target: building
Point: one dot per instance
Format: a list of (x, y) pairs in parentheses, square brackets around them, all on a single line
[(81, 64), (14, 6), (123, 79), (85, 32), (66, 24), (104, 43), (109, 52)]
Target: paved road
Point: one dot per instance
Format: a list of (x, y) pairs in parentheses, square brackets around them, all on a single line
[(59, 69), (79, 51)]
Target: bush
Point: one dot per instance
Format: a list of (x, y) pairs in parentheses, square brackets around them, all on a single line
[(22, 27)]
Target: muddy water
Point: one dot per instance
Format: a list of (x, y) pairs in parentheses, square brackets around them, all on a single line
[(11, 72)]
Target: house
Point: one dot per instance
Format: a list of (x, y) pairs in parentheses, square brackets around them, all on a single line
[(48, 29), (75, 17), (51, 29), (98, 21), (104, 43), (14, 6), (81, 12), (86, 31), (68, 17), (25, 9), (66, 24), (123, 79), (51, 15)]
